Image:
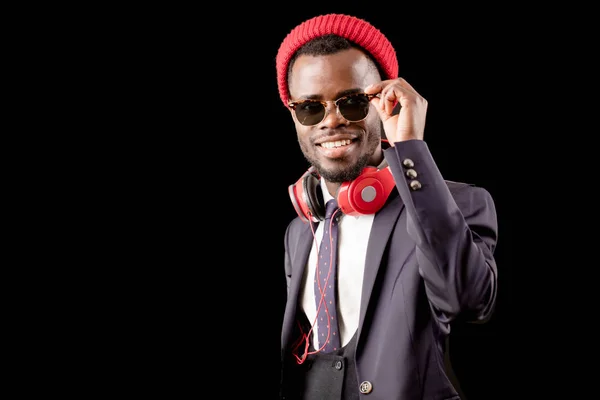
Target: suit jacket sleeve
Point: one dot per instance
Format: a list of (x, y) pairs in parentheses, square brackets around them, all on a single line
[(455, 230)]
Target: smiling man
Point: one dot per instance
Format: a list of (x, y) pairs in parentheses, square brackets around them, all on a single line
[(384, 253)]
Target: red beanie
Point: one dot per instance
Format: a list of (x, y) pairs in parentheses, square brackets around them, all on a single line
[(354, 29)]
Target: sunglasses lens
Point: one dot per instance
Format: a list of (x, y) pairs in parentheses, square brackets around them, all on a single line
[(354, 108), (310, 112)]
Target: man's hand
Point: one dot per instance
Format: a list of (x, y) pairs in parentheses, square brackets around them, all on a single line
[(409, 123)]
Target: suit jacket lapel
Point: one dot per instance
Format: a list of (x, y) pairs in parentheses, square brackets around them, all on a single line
[(305, 240), (384, 222)]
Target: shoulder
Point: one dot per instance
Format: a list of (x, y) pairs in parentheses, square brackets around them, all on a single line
[(471, 197), (464, 188), (454, 185), (295, 229)]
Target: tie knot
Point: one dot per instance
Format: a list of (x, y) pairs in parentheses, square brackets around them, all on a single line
[(330, 208)]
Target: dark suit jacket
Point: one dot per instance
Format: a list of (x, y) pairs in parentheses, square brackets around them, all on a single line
[(429, 260)]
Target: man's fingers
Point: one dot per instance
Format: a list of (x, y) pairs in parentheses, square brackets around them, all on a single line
[(389, 98), (406, 85), (391, 92), (377, 87)]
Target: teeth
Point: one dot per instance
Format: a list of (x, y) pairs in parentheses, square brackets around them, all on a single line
[(337, 143)]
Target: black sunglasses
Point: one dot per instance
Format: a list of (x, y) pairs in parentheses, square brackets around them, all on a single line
[(354, 108)]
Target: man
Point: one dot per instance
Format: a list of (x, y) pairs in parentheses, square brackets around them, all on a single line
[(405, 252)]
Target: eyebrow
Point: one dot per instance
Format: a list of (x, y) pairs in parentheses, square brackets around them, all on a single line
[(337, 96)]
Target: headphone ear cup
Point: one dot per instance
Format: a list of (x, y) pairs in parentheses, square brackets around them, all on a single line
[(307, 197), (311, 185), (367, 193)]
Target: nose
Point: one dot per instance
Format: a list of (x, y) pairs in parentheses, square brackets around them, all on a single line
[(333, 117)]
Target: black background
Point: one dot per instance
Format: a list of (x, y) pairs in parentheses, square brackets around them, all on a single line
[(206, 154)]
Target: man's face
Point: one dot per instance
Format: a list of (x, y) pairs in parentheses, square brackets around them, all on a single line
[(338, 149)]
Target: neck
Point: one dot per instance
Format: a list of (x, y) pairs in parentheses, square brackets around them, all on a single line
[(332, 188)]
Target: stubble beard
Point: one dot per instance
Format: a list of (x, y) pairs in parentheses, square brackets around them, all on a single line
[(345, 172)]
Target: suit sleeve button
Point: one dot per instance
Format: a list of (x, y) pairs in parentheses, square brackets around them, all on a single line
[(415, 185), (366, 387), (408, 163), (411, 173)]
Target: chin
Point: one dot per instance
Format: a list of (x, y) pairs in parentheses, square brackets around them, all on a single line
[(341, 172)]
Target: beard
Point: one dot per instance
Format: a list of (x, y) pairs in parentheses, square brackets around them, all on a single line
[(345, 172)]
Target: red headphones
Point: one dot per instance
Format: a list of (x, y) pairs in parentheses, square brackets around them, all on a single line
[(364, 195)]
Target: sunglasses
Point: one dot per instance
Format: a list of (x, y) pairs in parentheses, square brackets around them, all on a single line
[(353, 108)]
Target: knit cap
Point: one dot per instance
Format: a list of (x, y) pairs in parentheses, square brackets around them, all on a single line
[(352, 28)]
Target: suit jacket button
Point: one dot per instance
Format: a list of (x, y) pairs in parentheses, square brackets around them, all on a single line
[(411, 173), (366, 387), (415, 185), (408, 163)]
